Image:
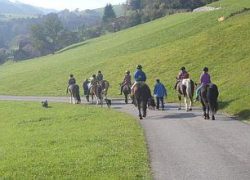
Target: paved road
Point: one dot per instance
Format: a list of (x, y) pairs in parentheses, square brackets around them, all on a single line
[(183, 146)]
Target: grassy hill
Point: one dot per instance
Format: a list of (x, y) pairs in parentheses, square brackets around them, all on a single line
[(193, 40)]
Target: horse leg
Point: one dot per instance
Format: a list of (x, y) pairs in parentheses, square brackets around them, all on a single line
[(190, 104), (212, 110), (185, 102), (207, 106), (179, 97), (204, 110), (139, 108), (101, 101), (144, 108), (71, 98), (97, 100), (126, 98), (92, 98)]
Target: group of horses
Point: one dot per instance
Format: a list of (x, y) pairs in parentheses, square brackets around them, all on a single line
[(143, 98), (185, 88), (97, 91), (208, 96)]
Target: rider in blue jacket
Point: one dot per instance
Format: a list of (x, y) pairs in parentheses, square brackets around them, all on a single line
[(140, 77), (139, 74)]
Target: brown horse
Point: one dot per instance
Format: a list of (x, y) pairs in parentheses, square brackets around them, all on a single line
[(74, 94), (185, 88), (208, 98), (143, 98), (105, 86), (126, 91)]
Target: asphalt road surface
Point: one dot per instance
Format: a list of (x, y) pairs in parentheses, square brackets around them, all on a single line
[(184, 146)]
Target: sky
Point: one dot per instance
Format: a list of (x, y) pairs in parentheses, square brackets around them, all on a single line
[(70, 4)]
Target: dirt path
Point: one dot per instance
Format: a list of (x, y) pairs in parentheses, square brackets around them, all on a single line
[(182, 145)]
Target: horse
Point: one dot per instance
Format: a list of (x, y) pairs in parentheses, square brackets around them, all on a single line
[(74, 94), (143, 98), (185, 88), (126, 91), (208, 98), (105, 86), (95, 91)]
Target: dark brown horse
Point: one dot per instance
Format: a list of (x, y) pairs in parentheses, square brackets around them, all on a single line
[(143, 98), (208, 97), (74, 94)]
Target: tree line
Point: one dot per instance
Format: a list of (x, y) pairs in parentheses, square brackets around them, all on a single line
[(49, 33)]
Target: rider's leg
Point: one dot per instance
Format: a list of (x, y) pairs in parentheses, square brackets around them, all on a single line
[(197, 93)]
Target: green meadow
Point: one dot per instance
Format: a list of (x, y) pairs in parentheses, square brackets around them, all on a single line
[(70, 142), (193, 40)]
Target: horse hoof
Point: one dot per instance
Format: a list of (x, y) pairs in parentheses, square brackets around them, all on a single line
[(179, 108), (213, 118), (190, 109)]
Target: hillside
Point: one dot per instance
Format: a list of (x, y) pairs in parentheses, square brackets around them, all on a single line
[(193, 40)]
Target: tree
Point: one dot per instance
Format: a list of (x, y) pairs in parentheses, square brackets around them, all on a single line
[(46, 34), (109, 13), (52, 26)]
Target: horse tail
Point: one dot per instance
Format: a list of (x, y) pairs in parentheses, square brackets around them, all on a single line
[(189, 88)]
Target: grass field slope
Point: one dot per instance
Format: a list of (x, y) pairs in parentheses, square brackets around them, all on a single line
[(70, 142), (193, 40)]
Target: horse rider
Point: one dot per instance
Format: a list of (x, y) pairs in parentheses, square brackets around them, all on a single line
[(99, 76), (159, 92), (139, 77), (183, 74), (205, 80), (71, 81), (126, 80), (93, 80)]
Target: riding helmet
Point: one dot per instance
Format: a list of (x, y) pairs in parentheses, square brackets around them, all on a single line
[(183, 68), (205, 69), (127, 72), (139, 66)]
